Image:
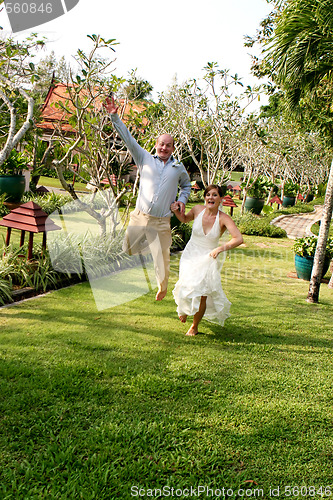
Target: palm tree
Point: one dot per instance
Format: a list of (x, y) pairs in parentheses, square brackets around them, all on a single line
[(301, 54)]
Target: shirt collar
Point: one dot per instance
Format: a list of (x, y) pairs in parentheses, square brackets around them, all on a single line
[(171, 159)]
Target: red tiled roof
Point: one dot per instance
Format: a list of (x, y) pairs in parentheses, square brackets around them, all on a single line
[(52, 114)]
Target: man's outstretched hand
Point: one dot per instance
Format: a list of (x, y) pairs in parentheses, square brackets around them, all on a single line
[(110, 105)]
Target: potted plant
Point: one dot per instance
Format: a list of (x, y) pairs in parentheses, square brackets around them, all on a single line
[(290, 191), (12, 180), (304, 249), (255, 195)]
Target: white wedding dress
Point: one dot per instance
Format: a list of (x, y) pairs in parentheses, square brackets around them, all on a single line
[(200, 275)]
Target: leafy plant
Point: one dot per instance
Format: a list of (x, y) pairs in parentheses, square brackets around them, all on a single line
[(259, 187), (14, 165), (290, 189), (3, 209), (196, 196), (306, 247), (6, 284), (180, 234), (49, 202)]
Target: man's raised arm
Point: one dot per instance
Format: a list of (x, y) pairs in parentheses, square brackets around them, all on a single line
[(134, 148)]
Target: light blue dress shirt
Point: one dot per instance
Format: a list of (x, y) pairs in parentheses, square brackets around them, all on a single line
[(159, 181)]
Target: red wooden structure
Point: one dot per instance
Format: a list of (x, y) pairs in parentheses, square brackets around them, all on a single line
[(229, 202), (275, 199), (196, 187), (41, 190), (106, 182), (236, 190), (300, 197), (30, 218)]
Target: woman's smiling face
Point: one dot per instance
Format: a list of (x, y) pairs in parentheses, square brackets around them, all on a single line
[(212, 198)]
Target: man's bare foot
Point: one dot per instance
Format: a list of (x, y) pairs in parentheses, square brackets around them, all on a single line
[(192, 331), (161, 294), (183, 318)]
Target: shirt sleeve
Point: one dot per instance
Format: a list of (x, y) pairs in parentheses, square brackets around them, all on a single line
[(134, 148), (185, 186)]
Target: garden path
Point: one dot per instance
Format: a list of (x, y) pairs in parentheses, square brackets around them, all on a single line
[(297, 226)]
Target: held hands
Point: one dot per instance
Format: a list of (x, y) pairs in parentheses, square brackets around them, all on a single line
[(110, 105), (174, 206), (178, 206)]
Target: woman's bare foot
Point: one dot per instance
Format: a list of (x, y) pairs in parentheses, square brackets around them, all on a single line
[(192, 331), (183, 318), (161, 294)]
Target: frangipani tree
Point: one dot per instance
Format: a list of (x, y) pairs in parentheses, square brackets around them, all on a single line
[(204, 116), (17, 73), (92, 145)]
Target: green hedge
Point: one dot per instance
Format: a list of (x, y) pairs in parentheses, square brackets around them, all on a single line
[(258, 226)]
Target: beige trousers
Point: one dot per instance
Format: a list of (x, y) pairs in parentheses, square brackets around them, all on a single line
[(147, 234)]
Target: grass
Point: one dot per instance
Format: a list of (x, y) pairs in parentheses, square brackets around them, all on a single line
[(55, 183), (236, 176), (95, 403), (316, 226)]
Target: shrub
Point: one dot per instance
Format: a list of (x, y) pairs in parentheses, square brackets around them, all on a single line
[(258, 226), (299, 208), (48, 202), (6, 284), (181, 234), (3, 209), (20, 272), (196, 196), (51, 172)]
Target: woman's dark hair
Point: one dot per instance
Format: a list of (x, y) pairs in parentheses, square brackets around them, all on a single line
[(213, 186)]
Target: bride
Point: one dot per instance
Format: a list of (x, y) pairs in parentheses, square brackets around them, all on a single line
[(198, 292)]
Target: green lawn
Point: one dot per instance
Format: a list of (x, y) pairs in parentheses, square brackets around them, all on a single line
[(236, 176), (315, 229), (94, 403), (54, 182)]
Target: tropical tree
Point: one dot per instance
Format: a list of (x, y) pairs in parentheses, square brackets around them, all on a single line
[(136, 88), (204, 115), (92, 150), (49, 69), (17, 73), (300, 55)]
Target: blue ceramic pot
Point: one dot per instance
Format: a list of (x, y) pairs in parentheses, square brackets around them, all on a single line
[(303, 266)]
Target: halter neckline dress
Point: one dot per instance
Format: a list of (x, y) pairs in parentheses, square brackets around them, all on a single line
[(200, 275)]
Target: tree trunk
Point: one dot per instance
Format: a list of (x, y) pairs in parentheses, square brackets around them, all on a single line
[(318, 262)]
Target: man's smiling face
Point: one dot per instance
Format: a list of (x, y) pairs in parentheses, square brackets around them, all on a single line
[(165, 147)]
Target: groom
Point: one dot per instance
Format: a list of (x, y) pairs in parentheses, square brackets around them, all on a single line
[(160, 176)]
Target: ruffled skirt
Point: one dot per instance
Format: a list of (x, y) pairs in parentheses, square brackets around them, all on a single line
[(200, 275)]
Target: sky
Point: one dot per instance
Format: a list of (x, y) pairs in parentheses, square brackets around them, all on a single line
[(163, 40)]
